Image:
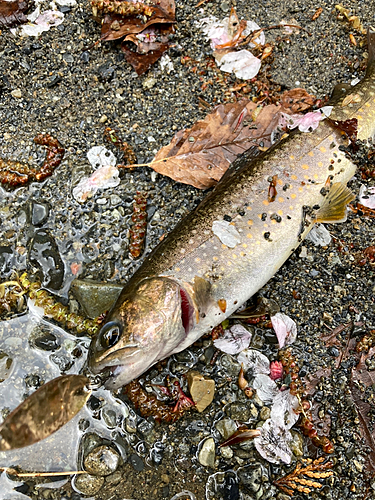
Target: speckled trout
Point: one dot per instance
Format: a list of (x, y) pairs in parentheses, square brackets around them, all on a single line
[(198, 276)]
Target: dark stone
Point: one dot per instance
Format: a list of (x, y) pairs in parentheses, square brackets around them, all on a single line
[(46, 342), (106, 72), (64, 8), (6, 260), (85, 57), (62, 362), (37, 213), (24, 488), (231, 490), (333, 351), (137, 462), (251, 477), (93, 403), (83, 424), (54, 80), (44, 255), (157, 453), (32, 381)]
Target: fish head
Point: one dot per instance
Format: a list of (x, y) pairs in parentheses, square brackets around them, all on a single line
[(147, 323)]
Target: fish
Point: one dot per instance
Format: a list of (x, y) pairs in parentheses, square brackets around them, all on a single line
[(223, 252)]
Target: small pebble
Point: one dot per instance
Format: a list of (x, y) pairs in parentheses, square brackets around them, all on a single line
[(206, 455), (16, 93), (102, 461), (87, 484)]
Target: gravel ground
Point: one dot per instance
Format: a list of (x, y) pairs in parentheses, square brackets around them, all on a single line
[(54, 84)]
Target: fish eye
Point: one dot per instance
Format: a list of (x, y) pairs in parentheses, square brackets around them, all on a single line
[(110, 334)]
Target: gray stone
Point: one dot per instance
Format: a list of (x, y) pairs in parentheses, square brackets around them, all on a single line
[(206, 455), (95, 298), (297, 443), (226, 427), (110, 418)]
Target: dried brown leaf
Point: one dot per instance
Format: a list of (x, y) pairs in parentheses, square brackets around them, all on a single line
[(12, 13), (115, 26), (240, 436), (201, 155), (296, 100), (141, 62)]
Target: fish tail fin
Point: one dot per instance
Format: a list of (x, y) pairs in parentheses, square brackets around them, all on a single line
[(333, 209)]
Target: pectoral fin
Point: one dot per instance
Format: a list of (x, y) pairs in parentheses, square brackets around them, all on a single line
[(200, 294), (333, 208)]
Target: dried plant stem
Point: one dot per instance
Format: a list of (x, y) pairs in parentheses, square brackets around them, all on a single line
[(13, 472)]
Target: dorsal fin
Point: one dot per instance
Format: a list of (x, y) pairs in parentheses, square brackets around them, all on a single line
[(371, 48)]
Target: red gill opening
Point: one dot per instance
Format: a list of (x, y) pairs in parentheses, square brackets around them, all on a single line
[(185, 309)]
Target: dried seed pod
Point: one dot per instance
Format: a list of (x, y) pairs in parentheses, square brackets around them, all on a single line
[(113, 137), (14, 173), (122, 8), (276, 370), (148, 405), (138, 229), (242, 382), (60, 313)]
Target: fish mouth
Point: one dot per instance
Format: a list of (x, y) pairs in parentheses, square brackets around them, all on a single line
[(109, 374)]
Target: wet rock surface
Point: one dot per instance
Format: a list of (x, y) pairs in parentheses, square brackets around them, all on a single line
[(56, 84), (44, 255)]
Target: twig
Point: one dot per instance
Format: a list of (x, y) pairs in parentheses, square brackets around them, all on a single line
[(13, 472)]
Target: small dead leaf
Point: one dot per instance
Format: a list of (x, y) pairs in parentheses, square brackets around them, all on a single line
[(296, 101), (141, 62), (148, 32), (241, 436), (163, 12), (352, 39), (12, 13)]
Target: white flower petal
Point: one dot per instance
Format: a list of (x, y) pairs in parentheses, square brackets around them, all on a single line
[(319, 235), (243, 64), (234, 340), (103, 177), (99, 156), (367, 196), (254, 360), (285, 329), (266, 388), (273, 443), (282, 411)]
